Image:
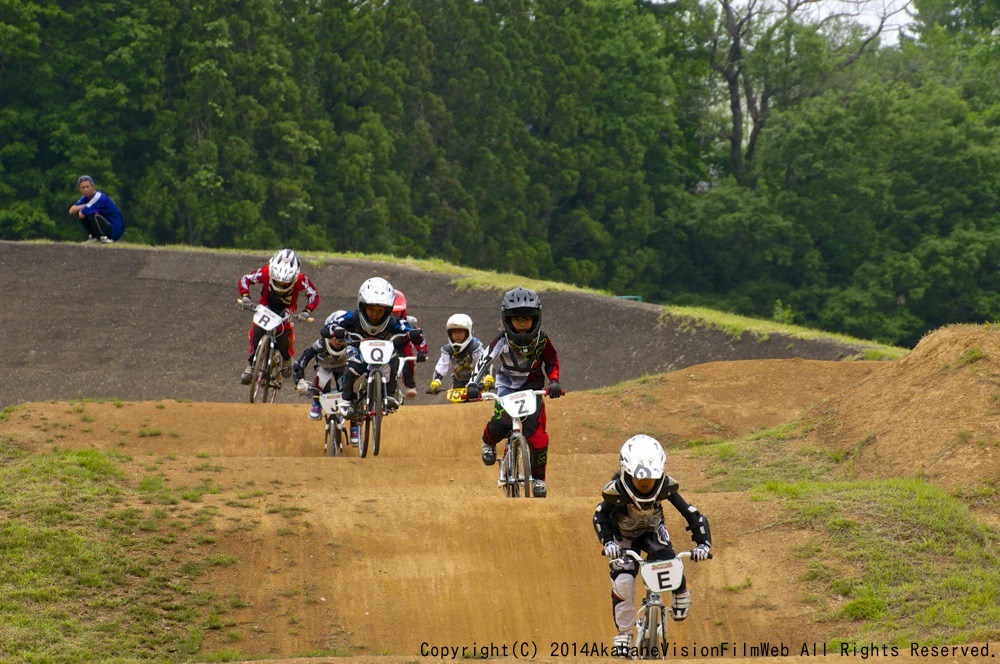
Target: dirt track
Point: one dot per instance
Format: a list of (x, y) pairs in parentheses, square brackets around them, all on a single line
[(137, 324), (417, 546)]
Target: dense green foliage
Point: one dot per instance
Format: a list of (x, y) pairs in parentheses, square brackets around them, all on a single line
[(770, 163)]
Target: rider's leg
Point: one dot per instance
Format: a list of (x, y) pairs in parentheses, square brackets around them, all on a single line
[(254, 338), (390, 384), (538, 438), (354, 370), (285, 343), (623, 594), (326, 380), (497, 429), (409, 379)]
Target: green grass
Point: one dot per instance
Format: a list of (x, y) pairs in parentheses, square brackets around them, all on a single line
[(88, 572), (970, 356), (920, 567), (761, 330), (777, 454), (900, 560)]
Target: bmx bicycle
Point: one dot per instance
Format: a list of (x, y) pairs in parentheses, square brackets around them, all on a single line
[(336, 430), (373, 401), (515, 466), (265, 379), (649, 638)]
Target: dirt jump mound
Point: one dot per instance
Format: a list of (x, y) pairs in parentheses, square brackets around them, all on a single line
[(935, 413)]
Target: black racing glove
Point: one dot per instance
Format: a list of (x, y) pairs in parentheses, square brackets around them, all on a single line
[(472, 392), (555, 390)]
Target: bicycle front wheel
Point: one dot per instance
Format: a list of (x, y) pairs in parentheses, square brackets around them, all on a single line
[(649, 633), (508, 472), (260, 376), (522, 468), (378, 410), (331, 437), (366, 433)]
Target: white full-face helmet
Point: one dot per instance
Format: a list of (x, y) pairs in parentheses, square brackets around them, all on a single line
[(283, 270), (335, 347), (642, 458), (379, 292), (459, 322)]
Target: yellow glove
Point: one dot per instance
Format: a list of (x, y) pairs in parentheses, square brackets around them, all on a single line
[(435, 386), (488, 383)]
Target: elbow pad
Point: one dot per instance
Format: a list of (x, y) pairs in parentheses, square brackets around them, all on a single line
[(700, 532)]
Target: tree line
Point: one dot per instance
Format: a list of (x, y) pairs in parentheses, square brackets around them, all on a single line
[(774, 159)]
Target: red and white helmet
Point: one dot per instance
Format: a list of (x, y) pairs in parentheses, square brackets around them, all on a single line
[(399, 305), (375, 291), (459, 322), (283, 270)]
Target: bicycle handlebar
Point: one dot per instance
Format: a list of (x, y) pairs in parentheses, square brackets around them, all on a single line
[(635, 555), (493, 396), (284, 317), (354, 338)]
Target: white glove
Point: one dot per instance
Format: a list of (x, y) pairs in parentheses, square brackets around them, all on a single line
[(305, 315), (302, 386), (246, 302), (613, 549), (700, 553)]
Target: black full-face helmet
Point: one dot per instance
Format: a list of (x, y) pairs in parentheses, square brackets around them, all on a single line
[(522, 302)]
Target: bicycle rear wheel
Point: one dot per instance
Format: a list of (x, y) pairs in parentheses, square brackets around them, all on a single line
[(275, 375), (260, 376)]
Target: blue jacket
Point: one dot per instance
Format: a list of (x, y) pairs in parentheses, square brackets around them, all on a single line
[(102, 204), (349, 321)]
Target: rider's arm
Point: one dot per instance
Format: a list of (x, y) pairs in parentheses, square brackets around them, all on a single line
[(255, 277), (486, 361), (697, 523), (443, 365), (604, 515), (308, 354), (550, 358), (311, 292), (346, 321)]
